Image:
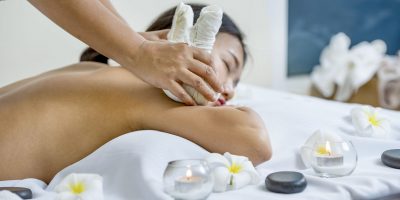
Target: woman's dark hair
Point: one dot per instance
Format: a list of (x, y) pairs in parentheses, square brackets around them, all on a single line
[(164, 21)]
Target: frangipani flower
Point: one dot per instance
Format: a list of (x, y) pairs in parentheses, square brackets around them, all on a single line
[(5, 194), (369, 123), (80, 187), (349, 69), (231, 171)]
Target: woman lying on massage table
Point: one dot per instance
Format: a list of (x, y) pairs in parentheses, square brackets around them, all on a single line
[(52, 120)]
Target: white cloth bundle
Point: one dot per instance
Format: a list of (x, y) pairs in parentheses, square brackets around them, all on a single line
[(389, 82), (348, 68), (206, 28), (181, 24), (201, 35)]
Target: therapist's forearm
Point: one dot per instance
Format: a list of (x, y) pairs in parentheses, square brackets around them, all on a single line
[(111, 8), (92, 22)]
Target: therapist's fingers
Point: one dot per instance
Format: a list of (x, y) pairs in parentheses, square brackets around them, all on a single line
[(207, 75), (177, 90), (206, 72), (202, 55), (155, 35), (197, 83), (162, 34)]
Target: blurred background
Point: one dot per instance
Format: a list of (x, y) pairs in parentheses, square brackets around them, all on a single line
[(30, 43), (285, 37)]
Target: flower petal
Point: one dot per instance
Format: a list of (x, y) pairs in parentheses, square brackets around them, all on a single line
[(240, 180), (378, 132), (385, 125), (359, 117), (235, 158), (249, 169), (217, 160), (221, 179)]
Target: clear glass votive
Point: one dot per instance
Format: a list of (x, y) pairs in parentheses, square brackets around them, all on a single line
[(333, 159), (188, 179)]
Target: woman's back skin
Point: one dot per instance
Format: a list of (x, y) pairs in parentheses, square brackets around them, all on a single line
[(55, 119)]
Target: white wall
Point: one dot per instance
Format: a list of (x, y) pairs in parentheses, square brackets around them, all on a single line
[(30, 43)]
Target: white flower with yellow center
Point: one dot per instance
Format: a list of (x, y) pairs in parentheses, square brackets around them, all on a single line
[(80, 187), (369, 123), (231, 171)]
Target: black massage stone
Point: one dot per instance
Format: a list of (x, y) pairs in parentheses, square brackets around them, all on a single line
[(24, 193), (391, 158), (286, 182)]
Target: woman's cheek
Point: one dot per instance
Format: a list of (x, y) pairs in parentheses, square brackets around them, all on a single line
[(221, 73)]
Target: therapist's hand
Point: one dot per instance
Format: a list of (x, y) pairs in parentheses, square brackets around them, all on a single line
[(155, 35), (168, 65)]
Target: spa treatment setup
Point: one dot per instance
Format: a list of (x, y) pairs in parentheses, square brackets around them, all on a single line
[(335, 162), (326, 145)]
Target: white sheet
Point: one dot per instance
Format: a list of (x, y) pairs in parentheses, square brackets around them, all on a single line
[(132, 165)]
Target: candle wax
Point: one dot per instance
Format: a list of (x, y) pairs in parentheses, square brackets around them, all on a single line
[(188, 184), (329, 160)]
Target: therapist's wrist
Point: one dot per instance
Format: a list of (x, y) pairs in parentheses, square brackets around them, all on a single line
[(129, 58)]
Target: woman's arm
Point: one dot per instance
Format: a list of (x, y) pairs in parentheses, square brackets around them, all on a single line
[(217, 129)]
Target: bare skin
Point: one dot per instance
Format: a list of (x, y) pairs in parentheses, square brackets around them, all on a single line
[(52, 120), (159, 63)]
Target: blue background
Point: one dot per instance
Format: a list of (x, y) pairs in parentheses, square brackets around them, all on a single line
[(313, 22)]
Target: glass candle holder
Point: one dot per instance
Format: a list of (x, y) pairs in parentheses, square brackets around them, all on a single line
[(188, 179), (333, 159)]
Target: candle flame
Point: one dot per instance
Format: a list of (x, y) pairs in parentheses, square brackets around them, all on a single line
[(188, 173), (325, 150), (328, 147)]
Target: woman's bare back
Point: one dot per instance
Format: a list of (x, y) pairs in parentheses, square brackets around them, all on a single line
[(52, 120)]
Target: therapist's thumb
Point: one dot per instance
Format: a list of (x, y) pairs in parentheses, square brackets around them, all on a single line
[(155, 35)]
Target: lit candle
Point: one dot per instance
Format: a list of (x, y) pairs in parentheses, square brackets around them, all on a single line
[(327, 158), (188, 183)]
